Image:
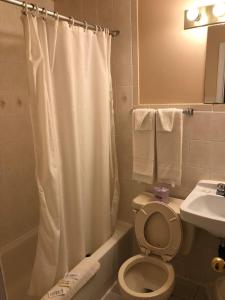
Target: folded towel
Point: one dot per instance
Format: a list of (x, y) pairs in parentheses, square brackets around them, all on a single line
[(69, 286), (169, 137), (142, 121), (144, 145), (166, 119)]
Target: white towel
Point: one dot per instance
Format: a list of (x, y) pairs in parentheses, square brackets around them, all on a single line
[(169, 137), (144, 145), (69, 286)]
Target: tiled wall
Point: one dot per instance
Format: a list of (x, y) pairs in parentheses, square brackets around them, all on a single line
[(18, 193)]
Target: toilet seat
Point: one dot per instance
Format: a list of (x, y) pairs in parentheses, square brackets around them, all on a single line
[(158, 230)]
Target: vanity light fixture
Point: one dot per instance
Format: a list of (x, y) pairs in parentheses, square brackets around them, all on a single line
[(219, 9), (204, 15), (193, 14)]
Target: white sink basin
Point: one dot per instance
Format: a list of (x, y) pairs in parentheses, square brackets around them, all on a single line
[(204, 209)]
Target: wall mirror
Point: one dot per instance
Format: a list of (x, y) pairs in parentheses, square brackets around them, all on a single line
[(215, 65), (171, 59), (173, 67)]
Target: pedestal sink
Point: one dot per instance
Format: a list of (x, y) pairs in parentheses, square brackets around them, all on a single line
[(205, 209)]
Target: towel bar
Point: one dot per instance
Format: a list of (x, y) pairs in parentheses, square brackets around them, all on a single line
[(187, 111)]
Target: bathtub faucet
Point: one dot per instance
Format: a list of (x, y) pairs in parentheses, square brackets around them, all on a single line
[(220, 189)]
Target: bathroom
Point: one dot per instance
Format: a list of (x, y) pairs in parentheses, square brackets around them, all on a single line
[(155, 64)]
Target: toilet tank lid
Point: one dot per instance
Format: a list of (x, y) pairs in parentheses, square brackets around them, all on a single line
[(145, 198)]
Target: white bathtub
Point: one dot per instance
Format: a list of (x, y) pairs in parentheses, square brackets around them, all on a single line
[(110, 255)]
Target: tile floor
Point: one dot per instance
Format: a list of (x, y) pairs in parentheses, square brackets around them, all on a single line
[(184, 290)]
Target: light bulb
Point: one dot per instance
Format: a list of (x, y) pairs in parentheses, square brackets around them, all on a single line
[(219, 9), (193, 14)]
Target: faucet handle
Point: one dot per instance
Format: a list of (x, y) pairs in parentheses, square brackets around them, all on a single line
[(220, 189), (220, 186)]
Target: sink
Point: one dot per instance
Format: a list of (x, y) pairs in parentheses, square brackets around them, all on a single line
[(205, 209)]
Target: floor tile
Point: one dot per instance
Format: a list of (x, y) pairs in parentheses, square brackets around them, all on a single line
[(184, 289)]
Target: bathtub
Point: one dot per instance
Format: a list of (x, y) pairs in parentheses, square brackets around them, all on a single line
[(110, 255)]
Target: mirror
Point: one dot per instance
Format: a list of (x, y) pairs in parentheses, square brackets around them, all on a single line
[(171, 59), (215, 65)]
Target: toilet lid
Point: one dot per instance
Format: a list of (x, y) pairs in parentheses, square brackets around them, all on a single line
[(158, 230)]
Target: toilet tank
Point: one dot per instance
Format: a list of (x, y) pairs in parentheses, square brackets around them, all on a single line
[(188, 229)]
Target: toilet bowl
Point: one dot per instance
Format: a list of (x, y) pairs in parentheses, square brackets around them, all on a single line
[(143, 277), (159, 233)]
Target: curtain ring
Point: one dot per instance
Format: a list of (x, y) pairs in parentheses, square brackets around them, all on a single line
[(56, 15), (71, 22), (85, 26), (96, 29), (35, 10), (45, 14), (25, 8)]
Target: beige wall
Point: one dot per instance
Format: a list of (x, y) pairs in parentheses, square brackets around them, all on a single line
[(18, 193), (172, 61)]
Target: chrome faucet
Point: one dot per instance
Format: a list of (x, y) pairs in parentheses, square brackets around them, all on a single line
[(220, 189)]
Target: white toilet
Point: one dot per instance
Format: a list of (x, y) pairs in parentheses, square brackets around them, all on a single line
[(160, 235)]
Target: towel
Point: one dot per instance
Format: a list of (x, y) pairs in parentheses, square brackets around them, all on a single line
[(169, 137), (73, 281), (144, 145)]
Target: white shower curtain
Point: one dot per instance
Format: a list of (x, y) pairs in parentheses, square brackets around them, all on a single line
[(74, 142)]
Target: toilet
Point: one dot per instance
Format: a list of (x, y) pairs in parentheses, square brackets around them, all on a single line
[(160, 235)]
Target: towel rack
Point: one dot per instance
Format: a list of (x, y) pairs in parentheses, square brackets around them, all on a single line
[(187, 111)]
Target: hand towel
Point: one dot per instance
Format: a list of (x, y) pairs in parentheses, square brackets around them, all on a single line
[(169, 137), (166, 119), (70, 285), (144, 145)]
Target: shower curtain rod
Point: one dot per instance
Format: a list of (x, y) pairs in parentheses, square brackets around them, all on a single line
[(44, 11)]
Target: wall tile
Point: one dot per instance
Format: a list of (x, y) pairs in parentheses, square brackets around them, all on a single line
[(218, 175), (105, 9), (198, 153), (91, 11), (122, 49), (217, 125), (122, 17), (71, 7), (124, 103), (199, 125), (191, 175), (216, 155), (122, 74)]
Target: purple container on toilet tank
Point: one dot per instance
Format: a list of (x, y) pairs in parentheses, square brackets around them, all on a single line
[(161, 193)]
